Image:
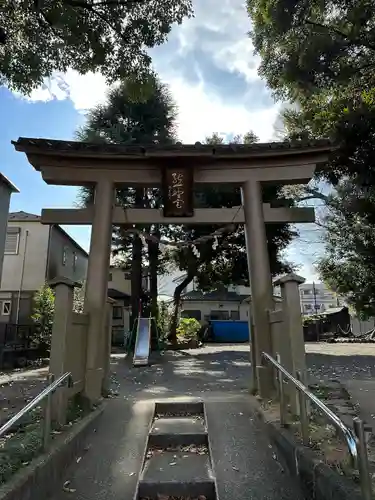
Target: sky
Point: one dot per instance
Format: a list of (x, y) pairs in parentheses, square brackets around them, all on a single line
[(209, 65)]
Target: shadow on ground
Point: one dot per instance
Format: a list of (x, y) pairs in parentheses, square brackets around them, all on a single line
[(217, 369)]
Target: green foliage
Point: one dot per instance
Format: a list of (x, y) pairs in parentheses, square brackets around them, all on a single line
[(308, 46), (321, 56), (163, 319), (43, 311), (348, 265), (79, 297), (188, 329), (18, 450), (107, 36)]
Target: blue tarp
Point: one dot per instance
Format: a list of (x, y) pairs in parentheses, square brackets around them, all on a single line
[(230, 331)]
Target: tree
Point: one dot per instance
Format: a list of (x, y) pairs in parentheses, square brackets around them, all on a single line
[(38, 37), (124, 120), (43, 311), (321, 56), (307, 45)]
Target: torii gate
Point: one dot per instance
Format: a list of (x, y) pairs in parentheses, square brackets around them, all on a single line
[(107, 166)]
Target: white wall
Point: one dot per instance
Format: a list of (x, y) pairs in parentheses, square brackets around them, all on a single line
[(4, 210), (35, 261), (118, 281), (206, 307)]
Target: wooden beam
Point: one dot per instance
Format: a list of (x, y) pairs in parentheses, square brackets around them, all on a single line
[(84, 216)]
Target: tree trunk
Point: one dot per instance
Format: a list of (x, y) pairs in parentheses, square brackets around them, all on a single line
[(153, 255), (172, 337), (136, 277)]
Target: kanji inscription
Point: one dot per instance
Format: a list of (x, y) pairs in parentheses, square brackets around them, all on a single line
[(178, 192)]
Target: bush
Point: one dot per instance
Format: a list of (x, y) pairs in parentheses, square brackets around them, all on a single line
[(188, 329), (163, 319), (43, 311)]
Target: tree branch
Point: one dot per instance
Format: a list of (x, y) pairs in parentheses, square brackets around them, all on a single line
[(90, 7), (103, 3), (340, 34)]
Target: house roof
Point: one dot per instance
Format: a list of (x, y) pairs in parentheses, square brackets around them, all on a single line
[(4, 180), (141, 152), (215, 295), (22, 216), (219, 296)]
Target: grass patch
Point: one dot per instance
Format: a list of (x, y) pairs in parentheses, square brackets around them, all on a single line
[(25, 442)]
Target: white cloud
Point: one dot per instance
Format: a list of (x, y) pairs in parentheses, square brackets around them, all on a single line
[(219, 36)]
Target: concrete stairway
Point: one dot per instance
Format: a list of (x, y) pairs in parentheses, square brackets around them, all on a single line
[(179, 451), (209, 451), (177, 462)]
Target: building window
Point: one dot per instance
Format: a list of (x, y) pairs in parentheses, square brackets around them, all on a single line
[(12, 241), (127, 275), (5, 308), (117, 312), (219, 315), (110, 277), (64, 256), (75, 259)]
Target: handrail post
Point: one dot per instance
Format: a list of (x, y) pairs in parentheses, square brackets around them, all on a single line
[(47, 415), (303, 412), (280, 380), (363, 465)]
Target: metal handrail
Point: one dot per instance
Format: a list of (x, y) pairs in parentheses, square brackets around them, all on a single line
[(46, 393), (355, 441)]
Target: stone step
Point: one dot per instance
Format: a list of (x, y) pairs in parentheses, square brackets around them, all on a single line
[(177, 408), (177, 474), (178, 431)]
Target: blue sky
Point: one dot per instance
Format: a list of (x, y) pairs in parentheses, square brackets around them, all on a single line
[(212, 72)]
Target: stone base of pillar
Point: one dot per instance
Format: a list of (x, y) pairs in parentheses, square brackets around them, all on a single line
[(59, 407), (93, 385), (265, 381)]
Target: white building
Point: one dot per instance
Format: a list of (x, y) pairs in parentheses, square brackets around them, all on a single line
[(317, 298)]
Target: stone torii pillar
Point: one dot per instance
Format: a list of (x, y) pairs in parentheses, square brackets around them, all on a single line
[(260, 283), (97, 286)]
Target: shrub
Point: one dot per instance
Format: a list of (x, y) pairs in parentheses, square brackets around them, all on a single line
[(188, 329), (43, 311)]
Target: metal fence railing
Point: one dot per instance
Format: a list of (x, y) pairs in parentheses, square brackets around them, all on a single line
[(44, 396), (355, 441)]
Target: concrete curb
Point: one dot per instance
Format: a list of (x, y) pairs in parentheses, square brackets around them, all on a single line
[(38, 480), (318, 481)]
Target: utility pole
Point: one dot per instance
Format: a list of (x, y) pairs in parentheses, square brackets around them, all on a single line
[(316, 313)]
